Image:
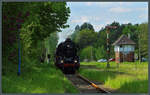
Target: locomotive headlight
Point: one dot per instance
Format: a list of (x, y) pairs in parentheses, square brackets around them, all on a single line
[(62, 61), (75, 61)]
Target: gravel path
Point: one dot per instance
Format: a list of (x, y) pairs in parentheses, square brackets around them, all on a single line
[(81, 85)]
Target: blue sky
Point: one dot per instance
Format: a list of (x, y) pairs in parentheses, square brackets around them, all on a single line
[(99, 14)]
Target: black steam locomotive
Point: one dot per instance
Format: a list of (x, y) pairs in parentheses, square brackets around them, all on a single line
[(66, 56)]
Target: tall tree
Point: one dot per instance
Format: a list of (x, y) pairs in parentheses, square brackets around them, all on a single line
[(87, 26), (87, 53), (77, 28), (143, 38), (85, 38), (35, 21), (75, 33), (51, 43), (100, 53)]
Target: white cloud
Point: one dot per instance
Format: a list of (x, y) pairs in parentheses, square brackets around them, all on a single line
[(108, 4), (102, 4), (96, 18), (142, 9), (80, 19), (143, 16), (109, 21), (120, 10), (75, 20), (125, 22), (98, 27), (83, 19), (105, 4), (124, 10)]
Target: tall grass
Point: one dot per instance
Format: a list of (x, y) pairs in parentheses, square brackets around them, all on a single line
[(129, 77), (42, 78)]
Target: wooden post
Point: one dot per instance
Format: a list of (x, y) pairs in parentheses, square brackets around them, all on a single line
[(108, 48), (108, 65)]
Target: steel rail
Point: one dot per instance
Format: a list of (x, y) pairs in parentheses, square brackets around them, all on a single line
[(91, 83)]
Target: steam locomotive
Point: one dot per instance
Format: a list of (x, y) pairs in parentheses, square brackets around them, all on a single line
[(66, 57)]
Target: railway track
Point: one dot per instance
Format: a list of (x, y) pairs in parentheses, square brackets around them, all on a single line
[(84, 85)]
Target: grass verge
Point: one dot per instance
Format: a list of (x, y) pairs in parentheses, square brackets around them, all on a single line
[(129, 77), (40, 78)]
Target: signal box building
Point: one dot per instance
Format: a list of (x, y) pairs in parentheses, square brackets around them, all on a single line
[(124, 49)]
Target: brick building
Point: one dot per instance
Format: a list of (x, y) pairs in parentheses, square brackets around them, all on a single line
[(124, 49)]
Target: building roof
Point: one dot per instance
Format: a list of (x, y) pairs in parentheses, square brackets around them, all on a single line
[(124, 40)]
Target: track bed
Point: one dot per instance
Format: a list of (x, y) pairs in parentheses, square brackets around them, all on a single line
[(82, 85)]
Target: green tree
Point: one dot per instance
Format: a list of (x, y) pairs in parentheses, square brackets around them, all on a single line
[(75, 33), (143, 38), (48, 18), (85, 38), (100, 53), (131, 30), (87, 53), (13, 17), (51, 43), (77, 28), (86, 26), (35, 21)]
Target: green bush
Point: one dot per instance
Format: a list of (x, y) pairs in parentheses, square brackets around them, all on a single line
[(87, 53)]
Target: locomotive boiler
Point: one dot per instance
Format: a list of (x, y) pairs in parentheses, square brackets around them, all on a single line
[(66, 57)]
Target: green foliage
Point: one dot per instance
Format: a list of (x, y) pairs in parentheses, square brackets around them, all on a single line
[(85, 38), (50, 44), (126, 30), (143, 39), (84, 26), (100, 53), (34, 22), (52, 17), (13, 17), (77, 30), (87, 53), (87, 26), (131, 30), (101, 39)]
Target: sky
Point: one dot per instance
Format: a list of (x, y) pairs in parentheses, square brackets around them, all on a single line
[(99, 14)]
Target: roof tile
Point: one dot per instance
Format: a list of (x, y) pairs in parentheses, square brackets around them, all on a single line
[(124, 40)]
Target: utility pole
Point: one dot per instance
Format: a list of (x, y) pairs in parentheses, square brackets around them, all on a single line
[(19, 54), (108, 46), (19, 21)]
